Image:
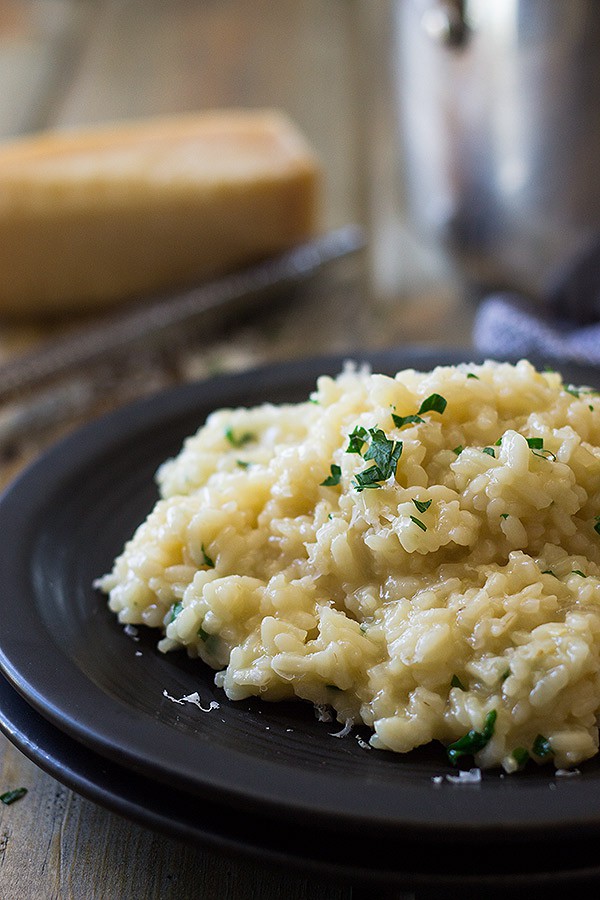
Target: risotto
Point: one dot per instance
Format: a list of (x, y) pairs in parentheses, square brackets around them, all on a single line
[(419, 553)]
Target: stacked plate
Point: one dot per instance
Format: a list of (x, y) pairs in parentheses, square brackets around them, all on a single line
[(98, 707)]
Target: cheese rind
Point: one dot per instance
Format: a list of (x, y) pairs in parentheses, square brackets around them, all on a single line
[(90, 217)]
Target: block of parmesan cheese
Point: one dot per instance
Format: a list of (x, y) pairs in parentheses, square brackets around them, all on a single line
[(90, 217)]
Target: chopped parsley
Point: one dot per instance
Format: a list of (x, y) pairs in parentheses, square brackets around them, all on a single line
[(9, 797), (357, 440), (579, 572), (548, 572), (578, 391), (242, 463), (545, 454), (401, 421), (473, 741), (384, 453), (334, 478), (575, 391), (458, 450), (597, 525), (239, 440), (504, 515), (206, 560), (490, 451), (520, 756), (541, 747), (433, 403), (457, 683), (373, 444), (175, 610), (535, 444), (472, 375), (422, 505), (418, 522), (211, 641), (370, 478)]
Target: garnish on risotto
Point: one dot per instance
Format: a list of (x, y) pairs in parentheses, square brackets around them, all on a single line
[(306, 568)]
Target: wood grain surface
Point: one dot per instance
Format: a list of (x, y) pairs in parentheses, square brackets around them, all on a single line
[(66, 62)]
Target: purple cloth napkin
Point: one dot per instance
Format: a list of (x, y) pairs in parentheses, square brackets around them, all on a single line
[(508, 325), (563, 326)]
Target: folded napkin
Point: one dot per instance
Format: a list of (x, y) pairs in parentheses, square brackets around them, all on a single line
[(509, 325), (563, 326)]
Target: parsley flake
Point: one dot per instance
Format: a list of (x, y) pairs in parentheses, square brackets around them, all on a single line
[(578, 391), (458, 450), (357, 440), (535, 443), (422, 505), (541, 747), (239, 440), (384, 453), (206, 560), (334, 478), (520, 756), (597, 525), (490, 451), (571, 389), (210, 641), (579, 572), (473, 741), (370, 478), (401, 421), (175, 610), (418, 522), (457, 683), (433, 403), (9, 797)]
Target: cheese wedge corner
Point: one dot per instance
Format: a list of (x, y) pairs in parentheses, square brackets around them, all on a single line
[(90, 217)]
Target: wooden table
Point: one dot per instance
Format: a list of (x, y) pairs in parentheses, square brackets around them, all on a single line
[(64, 62)]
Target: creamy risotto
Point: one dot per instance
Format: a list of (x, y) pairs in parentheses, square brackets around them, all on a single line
[(420, 553)]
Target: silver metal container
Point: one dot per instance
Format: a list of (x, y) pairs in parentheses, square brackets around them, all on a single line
[(499, 115)]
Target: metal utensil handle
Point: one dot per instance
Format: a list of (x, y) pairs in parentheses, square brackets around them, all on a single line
[(92, 343)]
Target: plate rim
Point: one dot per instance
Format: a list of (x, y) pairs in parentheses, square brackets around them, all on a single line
[(72, 765)]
